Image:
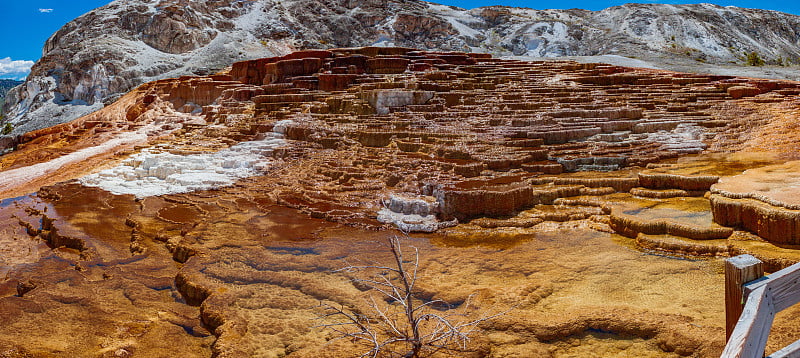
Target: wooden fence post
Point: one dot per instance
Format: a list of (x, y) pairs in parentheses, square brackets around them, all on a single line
[(739, 270)]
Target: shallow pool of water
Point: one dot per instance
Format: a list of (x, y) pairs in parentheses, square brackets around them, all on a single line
[(693, 211)]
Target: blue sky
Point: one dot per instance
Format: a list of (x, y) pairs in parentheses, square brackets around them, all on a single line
[(26, 24)]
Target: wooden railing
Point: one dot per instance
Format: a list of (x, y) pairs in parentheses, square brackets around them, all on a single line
[(748, 325)]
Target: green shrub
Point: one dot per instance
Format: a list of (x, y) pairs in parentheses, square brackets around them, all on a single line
[(753, 59), (7, 129)]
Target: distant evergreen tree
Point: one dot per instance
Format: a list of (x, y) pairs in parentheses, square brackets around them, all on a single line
[(754, 59)]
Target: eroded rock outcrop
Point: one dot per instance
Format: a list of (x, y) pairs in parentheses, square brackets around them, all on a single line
[(484, 154), (761, 200), (413, 214), (97, 57), (459, 118)]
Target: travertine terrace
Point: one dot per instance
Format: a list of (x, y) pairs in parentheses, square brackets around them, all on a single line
[(204, 216), (764, 200)]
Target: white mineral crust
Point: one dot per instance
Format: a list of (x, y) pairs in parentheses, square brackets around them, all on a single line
[(152, 173)]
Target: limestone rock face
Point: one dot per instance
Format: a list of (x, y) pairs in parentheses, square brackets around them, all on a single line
[(110, 50), (211, 213), (6, 85), (181, 27), (743, 91), (763, 200), (469, 130), (412, 214)]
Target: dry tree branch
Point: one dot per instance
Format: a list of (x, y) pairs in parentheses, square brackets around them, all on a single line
[(402, 324)]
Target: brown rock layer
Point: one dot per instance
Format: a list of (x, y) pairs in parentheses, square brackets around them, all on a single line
[(631, 226), (763, 201), (683, 246), (775, 224), (474, 133), (674, 181)]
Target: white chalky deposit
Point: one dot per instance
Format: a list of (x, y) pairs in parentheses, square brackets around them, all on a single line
[(413, 214), (152, 173)]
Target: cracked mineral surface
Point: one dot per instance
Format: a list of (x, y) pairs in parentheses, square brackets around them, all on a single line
[(207, 216)]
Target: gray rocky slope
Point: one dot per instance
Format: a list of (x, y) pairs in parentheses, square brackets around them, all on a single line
[(6, 85), (112, 49)]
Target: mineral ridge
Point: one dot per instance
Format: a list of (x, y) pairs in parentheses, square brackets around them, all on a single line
[(206, 216)]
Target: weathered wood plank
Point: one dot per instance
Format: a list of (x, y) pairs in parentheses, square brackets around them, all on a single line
[(785, 287), (738, 271), (790, 351), (750, 335)]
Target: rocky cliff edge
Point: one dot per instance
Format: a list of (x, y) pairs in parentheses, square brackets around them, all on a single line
[(108, 51)]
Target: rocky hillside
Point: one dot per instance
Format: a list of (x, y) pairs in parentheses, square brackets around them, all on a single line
[(112, 49), (211, 214), (6, 85)]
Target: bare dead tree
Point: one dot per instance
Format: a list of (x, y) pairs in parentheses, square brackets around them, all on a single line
[(401, 324)]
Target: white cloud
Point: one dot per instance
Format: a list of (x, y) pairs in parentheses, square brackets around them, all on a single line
[(45, 10), (14, 69)]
